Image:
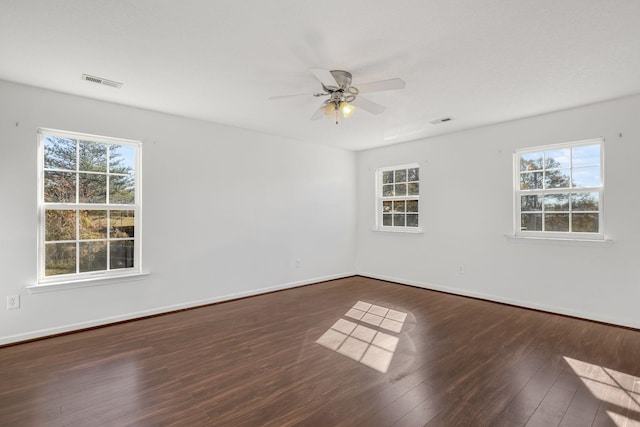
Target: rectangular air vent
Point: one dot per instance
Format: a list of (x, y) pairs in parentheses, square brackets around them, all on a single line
[(101, 81), (442, 120)]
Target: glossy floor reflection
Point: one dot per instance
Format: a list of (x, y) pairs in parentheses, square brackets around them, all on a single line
[(450, 361), (368, 345)]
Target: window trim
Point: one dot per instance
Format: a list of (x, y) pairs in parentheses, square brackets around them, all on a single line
[(104, 276), (380, 199), (518, 233)]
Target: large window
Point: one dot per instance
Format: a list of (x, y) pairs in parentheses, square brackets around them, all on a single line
[(398, 190), (89, 206), (559, 190)]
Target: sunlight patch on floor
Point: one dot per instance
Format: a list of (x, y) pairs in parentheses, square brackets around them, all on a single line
[(368, 337), (619, 391)]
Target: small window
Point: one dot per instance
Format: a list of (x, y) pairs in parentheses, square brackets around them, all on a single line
[(559, 191), (89, 206), (398, 195)]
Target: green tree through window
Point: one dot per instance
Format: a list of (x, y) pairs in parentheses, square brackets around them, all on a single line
[(88, 204), (560, 189), (398, 190)]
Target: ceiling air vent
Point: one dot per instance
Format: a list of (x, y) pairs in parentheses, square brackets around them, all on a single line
[(101, 81), (442, 120)]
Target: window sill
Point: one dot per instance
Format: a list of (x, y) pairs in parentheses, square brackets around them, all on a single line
[(82, 283), (413, 230), (559, 241)]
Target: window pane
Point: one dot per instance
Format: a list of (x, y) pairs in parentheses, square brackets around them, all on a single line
[(530, 203), (93, 256), (398, 220), (59, 153), (387, 177), (585, 201), (412, 220), (122, 254), (556, 222), (93, 188), (530, 162), (401, 189), (556, 202), (414, 189), (401, 175), (560, 189), (399, 206), (386, 206), (93, 225), (557, 159), (560, 178), (531, 180), (387, 190), (59, 225), (122, 224), (100, 175), (585, 222), (387, 220), (586, 177), (531, 222), (122, 159), (588, 155), (412, 206), (122, 189), (92, 156), (59, 258), (414, 174), (59, 187)]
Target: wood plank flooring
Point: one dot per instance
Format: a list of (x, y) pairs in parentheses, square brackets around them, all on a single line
[(255, 362)]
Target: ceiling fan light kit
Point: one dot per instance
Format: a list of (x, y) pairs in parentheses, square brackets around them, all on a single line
[(333, 110), (344, 98)]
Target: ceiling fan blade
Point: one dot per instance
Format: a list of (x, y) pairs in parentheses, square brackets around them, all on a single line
[(319, 113), (370, 106), (325, 77), (380, 85), (272, 98)]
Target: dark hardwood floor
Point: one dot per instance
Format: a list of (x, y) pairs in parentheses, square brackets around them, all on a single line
[(255, 362)]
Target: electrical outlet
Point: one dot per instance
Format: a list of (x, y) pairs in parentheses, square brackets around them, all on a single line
[(298, 262), (461, 269), (13, 302)]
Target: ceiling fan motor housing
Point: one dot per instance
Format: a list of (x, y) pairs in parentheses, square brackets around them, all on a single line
[(342, 92), (343, 78)]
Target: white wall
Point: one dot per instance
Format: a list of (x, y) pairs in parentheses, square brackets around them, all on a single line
[(226, 212), (466, 211)]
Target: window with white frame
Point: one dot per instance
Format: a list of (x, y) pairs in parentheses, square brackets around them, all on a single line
[(559, 190), (398, 195), (89, 206)]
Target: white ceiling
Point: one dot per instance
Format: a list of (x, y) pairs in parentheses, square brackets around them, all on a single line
[(479, 62)]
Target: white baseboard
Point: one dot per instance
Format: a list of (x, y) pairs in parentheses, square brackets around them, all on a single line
[(160, 310), (519, 303)]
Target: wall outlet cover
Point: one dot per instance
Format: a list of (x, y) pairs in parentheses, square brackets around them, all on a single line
[(13, 302)]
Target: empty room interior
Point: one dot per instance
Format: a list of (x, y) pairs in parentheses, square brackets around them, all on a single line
[(354, 213)]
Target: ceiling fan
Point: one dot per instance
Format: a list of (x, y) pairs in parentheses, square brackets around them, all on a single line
[(344, 98)]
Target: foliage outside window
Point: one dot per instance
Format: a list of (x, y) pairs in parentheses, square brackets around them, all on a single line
[(89, 205), (398, 190), (559, 190)]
